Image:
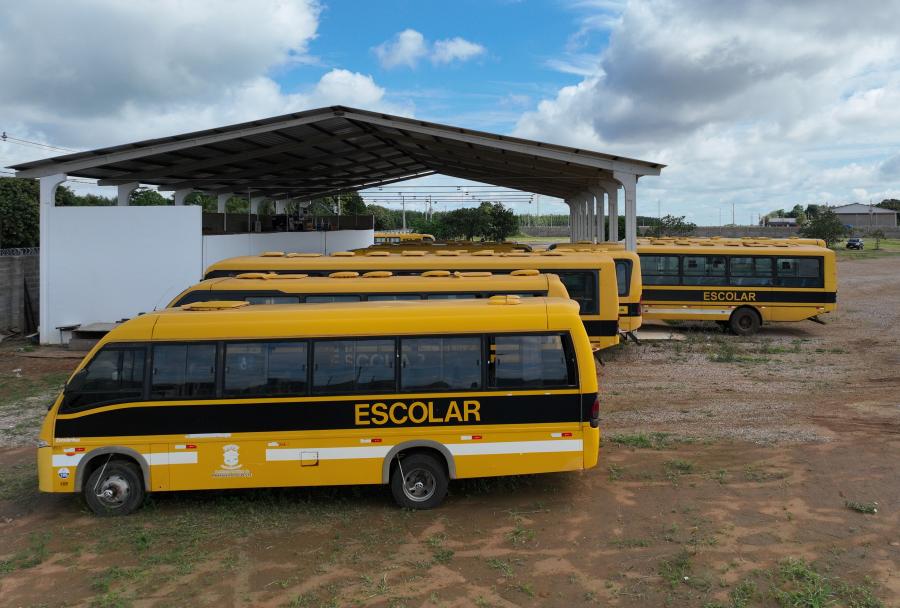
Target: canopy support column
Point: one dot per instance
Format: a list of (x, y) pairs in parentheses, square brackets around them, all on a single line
[(124, 193), (600, 214), (46, 201), (180, 195), (613, 192), (629, 185)]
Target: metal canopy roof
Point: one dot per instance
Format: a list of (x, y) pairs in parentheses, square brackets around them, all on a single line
[(334, 149)]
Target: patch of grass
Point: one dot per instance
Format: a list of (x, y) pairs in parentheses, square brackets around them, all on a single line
[(752, 473), (504, 566), (678, 467), (525, 588), (443, 556), (869, 508), (520, 535), (630, 543), (615, 472), (18, 481), (34, 554), (655, 441), (678, 570), (726, 352), (15, 387), (110, 600)]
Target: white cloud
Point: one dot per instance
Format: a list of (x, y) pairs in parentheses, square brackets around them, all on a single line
[(103, 72), (406, 48), (409, 47), (455, 49), (761, 103)]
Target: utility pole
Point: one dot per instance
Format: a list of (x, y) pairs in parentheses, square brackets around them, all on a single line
[(403, 204), (732, 215), (720, 217)]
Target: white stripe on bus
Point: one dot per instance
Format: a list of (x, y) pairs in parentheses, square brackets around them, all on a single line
[(457, 449), (63, 460)]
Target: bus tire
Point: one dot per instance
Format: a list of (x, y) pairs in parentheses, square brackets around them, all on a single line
[(744, 321), (422, 483), (115, 488)]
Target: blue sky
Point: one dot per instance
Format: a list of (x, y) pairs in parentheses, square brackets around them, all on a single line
[(759, 105)]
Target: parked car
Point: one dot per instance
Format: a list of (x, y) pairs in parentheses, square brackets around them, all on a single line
[(855, 243)]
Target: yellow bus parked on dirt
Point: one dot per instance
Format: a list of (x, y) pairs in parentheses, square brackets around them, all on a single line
[(402, 237), (628, 279), (739, 284), (220, 395), (378, 286), (589, 278)]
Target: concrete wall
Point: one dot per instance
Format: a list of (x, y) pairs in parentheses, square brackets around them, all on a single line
[(220, 246), (15, 272), (739, 231), (108, 263), (561, 231)]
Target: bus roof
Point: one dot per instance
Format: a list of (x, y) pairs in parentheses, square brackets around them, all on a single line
[(229, 320), (730, 247), (415, 260)]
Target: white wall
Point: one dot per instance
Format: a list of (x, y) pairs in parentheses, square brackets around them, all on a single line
[(220, 246), (108, 263)]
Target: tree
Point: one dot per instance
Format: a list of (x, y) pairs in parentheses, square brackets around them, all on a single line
[(877, 235), (826, 225), (207, 201), (671, 225), (812, 211), (384, 218), (798, 213), (890, 203), (500, 223), (352, 204), (145, 197), (19, 212)]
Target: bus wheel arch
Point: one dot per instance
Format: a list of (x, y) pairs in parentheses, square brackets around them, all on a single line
[(438, 450), (95, 459), (745, 321)]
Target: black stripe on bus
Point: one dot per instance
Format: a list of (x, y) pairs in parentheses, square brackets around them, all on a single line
[(324, 414), (632, 310), (601, 328), (743, 296)]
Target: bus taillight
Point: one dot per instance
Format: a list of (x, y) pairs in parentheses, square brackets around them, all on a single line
[(595, 413)]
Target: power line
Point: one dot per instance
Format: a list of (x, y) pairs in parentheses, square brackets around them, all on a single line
[(35, 144)]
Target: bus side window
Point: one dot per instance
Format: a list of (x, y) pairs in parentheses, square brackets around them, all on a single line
[(798, 272), (114, 375), (183, 370), (392, 297), (703, 270), (265, 368), (440, 364), (273, 299), (659, 269), (353, 366), (530, 362), (331, 299)]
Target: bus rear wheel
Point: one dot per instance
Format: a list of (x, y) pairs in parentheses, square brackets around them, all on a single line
[(419, 481), (115, 488), (744, 322)]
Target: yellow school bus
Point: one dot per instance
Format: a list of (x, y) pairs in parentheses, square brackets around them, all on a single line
[(740, 284), (402, 237), (628, 278), (219, 395), (461, 246), (589, 278), (378, 286)]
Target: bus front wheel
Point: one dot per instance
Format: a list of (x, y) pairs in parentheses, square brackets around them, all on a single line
[(419, 481), (744, 321), (115, 488)]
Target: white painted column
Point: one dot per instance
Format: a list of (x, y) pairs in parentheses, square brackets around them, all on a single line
[(629, 185), (601, 213), (613, 193), (280, 207), (571, 221), (46, 201), (221, 200), (180, 195), (124, 193), (254, 204)]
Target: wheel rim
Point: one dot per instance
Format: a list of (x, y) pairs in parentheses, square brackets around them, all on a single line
[(419, 485), (113, 491), (745, 322)]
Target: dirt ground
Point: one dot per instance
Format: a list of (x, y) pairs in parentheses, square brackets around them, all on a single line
[(734, 472)]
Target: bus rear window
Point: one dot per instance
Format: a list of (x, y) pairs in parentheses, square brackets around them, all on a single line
[(582, 287), (524, 362), (623, 277)]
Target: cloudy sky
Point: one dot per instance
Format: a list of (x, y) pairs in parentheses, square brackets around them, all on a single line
[(759, 104)]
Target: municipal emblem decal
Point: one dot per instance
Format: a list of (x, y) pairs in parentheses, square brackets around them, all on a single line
[(230, 457)]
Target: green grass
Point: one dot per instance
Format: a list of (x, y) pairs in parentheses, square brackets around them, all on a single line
[(887, 247), (655, 441), (678, 570), (35, 553), (18, 481), (14, 388), (869, 508)]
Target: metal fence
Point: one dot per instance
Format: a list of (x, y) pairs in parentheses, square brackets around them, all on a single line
[(17, 251)]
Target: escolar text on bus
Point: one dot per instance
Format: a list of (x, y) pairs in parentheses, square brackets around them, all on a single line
[(729, 296), (417, 412)]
